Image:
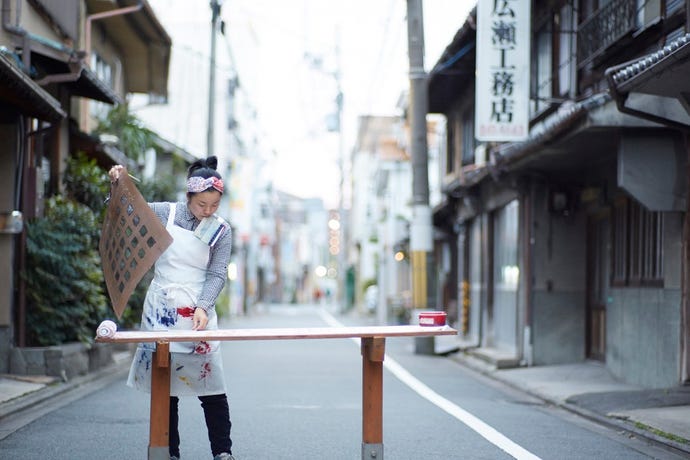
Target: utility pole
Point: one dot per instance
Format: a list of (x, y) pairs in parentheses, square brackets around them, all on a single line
[(421, 242), (215, 14)]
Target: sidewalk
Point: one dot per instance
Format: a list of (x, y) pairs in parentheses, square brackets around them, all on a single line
[(589, 390), (21, 396)]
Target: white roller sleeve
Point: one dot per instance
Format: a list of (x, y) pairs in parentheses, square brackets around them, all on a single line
[(106, 329)]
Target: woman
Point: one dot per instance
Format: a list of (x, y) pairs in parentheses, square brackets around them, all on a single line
[(188, 278)]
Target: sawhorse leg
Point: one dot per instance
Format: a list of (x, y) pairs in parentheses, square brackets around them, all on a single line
[(160, 403), (373, 352)]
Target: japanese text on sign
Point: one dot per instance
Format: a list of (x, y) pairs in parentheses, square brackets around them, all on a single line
[(502, 80)]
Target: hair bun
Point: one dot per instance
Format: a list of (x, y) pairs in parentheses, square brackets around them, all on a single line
[(212, 162), (204, 167)]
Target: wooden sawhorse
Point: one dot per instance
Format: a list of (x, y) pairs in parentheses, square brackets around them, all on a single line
[(373, 346)]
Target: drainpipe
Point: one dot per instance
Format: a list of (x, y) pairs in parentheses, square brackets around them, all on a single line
[(87, 45), (60, 78), (6, 9), (621, 98), (106, 14)]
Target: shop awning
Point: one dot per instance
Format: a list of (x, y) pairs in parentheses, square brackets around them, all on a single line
[(655, 86), (143, 42), (455, 68), (168, 147), (79, 79), (22, 93), (443, 212), (105, 154)]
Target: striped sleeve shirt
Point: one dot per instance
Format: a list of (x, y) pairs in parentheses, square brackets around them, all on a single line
[(219, 255)]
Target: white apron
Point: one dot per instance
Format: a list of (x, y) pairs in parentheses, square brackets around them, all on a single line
[(196, 367)]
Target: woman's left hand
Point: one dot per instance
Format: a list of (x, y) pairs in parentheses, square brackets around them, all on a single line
[(115, 172), (200, 319)]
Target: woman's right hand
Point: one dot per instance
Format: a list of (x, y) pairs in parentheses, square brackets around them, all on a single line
[(115, 172)]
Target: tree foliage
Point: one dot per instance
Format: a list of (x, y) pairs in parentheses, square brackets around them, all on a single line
[(86, 182), (64, 280), (133, 138), (66, 293)]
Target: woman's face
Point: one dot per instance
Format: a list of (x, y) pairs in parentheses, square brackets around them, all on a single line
[(204, 204)]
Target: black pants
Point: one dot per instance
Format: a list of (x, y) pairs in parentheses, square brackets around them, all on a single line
[(217, 415)]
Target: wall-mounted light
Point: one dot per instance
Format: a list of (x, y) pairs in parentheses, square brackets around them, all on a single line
[(11, 222), (560, 202)]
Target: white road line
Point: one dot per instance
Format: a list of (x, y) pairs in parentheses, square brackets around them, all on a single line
[(486, 431)]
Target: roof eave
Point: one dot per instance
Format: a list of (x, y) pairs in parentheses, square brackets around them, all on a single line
[(659, 75), (454, 69), (144, 42), (25, 95)]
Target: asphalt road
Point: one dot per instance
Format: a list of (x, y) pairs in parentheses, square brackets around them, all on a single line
[(302, 399)]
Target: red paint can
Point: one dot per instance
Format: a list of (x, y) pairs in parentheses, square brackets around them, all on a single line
[(432, 318)]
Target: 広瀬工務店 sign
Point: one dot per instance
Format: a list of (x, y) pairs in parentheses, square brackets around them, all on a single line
[(503, 67)]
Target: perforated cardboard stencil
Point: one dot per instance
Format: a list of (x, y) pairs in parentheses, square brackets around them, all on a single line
[(132, 239)]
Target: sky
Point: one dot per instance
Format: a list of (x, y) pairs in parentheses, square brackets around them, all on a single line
[(290, 58)]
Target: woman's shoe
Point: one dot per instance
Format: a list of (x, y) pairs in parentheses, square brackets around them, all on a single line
[(224, 456)]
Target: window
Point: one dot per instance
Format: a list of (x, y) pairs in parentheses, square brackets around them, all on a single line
[(674, 35), (453, 141), (553, 67), (638, 252), (506, 230), (566, 56), (673, 5), (542, 91), (468, 143), (442, 148), (104, 73), (608, 22), (451, 134)]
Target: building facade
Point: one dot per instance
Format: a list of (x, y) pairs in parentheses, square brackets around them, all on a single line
[(381, 215), (61, 63), (569, 245)]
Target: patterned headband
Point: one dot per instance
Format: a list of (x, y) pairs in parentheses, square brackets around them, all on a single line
[(198, 184)]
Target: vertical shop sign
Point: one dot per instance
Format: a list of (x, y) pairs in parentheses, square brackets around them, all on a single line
[(502, 70)]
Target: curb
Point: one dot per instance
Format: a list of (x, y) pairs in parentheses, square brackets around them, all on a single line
[(88, 383), (621, 424), (615, 423)]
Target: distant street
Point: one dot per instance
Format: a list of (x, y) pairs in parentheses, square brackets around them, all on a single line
[(301, 399)]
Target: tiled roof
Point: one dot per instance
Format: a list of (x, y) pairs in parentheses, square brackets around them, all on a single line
[(548, 129), (638, 66)]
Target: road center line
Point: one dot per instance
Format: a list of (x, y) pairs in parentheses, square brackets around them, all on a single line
[(484, 430)]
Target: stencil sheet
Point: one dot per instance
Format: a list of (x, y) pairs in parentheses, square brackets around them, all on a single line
[(132, 239)]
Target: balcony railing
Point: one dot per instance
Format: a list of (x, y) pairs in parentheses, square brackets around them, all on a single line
[(606, 26)]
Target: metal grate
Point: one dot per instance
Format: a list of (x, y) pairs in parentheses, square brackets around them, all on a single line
[(606, 26)]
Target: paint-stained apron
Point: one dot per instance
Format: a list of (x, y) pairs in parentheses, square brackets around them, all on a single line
[(196, 367)]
